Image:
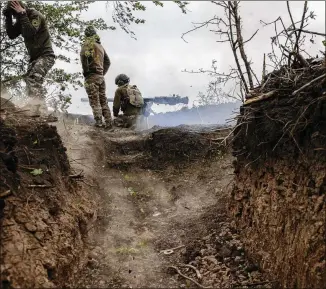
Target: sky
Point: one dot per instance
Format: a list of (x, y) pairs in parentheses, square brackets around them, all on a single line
[(154, 62)]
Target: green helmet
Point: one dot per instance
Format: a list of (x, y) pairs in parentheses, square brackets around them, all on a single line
[(90, 31), (121, 79)]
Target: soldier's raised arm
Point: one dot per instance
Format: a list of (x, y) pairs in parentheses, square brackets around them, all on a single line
[(13, 30), (29, 25)]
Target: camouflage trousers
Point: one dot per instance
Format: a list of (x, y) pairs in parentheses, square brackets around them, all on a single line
[(34, 78), (95, 88)]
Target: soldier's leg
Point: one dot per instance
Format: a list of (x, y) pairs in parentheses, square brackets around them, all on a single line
[(104, 104), (133, 121), (133, 118), (129, 121), (32, 102), (118, 121), (92, 89), (34, 83)]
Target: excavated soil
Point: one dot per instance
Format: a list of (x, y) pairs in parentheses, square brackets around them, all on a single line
[(160, 189), (44, 213), (84, 207), (278, 199)]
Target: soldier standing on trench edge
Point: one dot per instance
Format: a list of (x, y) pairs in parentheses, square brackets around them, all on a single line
[(96, 63), (31, 24)]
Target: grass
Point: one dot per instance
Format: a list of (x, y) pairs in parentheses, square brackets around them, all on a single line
[(126, 251)]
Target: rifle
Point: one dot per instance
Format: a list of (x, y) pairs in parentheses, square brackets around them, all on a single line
[(149, 101)]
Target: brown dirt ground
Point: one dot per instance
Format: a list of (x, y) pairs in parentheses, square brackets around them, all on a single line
[(44, 217), (145, 211), (140, 194)]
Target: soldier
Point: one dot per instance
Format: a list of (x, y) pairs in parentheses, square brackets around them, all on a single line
[(95, 64), (32, 25), (128, 98)]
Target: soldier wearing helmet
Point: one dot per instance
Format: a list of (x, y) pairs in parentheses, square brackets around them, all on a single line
[(31, 24), (96, 63), (128, 99)]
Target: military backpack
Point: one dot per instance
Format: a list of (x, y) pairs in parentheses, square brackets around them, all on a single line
[(134, 95)]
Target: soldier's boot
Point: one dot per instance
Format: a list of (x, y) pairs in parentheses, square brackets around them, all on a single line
[(108, 124), (98, 122), (118, 122), (131, 122)]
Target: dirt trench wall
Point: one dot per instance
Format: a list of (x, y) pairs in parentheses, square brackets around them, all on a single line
[(164, 147), (279, 196), (43, 216)]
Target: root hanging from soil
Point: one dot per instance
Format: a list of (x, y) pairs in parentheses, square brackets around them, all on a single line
[(280, 176)]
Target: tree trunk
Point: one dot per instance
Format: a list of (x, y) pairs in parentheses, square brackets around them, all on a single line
[(234, 50), (234, 8)]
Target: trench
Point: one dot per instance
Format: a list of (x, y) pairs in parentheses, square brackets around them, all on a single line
[(154, 199), (84, 207)]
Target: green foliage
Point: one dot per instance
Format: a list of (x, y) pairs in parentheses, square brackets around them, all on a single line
[(132, 192), (127, 251), (37, 172), (324, 42), (66, 29), (123, 13)]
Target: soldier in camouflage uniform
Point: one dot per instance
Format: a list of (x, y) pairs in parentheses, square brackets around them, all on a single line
[(96, 63), (31, 24), (122, 101)]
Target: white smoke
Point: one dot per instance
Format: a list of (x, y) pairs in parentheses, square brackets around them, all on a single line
[(220, 114)]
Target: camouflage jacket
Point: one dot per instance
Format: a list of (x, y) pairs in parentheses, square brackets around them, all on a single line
[(93, 57), (121, 102), (32, 26)]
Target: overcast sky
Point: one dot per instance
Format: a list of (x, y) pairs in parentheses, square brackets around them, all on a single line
[(154, 61)]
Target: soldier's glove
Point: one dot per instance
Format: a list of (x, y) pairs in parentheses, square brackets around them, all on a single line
[(6, 12)]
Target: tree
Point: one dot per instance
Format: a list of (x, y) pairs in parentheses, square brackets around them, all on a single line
[(291, 40), (227, 25), (229, 29), (66, 29), (214, 93), (123, 12)]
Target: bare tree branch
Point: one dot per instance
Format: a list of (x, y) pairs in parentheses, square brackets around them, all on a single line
[(254, 74), (234, 50), (293, 24), (197, 27), (234, 7), (296, 46), (251, 37), (309, 32), (264, 68), (298, 55), (220, 3)]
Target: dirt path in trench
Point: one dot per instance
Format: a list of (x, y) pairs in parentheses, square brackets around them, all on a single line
[(143, 212)]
